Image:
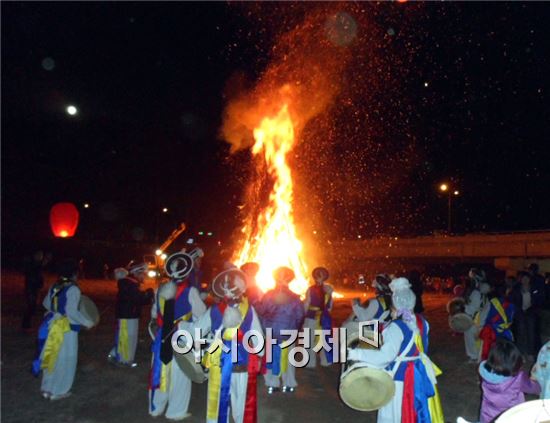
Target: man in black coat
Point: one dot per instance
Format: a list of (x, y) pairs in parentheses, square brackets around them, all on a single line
[(130, 299)]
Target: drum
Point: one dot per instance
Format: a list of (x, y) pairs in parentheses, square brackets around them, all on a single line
[(460, 322), (537, 411), (456, 305), (364, 388), (193, 370), (89, 309)]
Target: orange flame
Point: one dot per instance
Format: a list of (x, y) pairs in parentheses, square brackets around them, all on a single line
[(271, 240)]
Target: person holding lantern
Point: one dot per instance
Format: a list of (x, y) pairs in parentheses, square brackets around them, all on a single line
[(318, 305), (281, 309), (233, 321), (58, 335), (176, 305), (129, 301)]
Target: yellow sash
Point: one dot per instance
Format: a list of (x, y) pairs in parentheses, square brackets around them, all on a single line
[(123, 347), (56, 333)]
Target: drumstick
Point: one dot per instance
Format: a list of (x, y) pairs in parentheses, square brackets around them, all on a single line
[(172, 330)]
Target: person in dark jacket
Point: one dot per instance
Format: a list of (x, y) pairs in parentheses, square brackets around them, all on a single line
[(528, 299), (281, 309), (417, 288), (130, 299), (34, 281)]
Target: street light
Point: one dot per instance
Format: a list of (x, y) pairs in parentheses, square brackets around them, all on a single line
[(446, 189), (165, 210)]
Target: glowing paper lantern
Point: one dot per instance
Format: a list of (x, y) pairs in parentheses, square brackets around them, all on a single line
[(64, 219)]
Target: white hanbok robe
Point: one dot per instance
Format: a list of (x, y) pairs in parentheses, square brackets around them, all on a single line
[(175, 400), (60, 380)]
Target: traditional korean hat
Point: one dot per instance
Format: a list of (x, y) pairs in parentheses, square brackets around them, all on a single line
[(320, 273), (120, 273), (283, 274), (403, 297), (178, 265), (229, 284), (135, 267)]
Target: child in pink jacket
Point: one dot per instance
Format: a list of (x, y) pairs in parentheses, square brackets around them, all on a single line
[(502, 381)]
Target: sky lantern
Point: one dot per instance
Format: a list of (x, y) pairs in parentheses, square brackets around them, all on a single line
[(64, 219)]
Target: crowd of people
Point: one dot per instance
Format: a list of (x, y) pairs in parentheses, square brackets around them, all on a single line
[(505, 330)]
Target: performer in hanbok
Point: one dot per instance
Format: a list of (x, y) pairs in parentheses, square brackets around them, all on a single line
[(378, 308), (58, 335), (496, 320), (176, 306), (281, 309), (232, 381), (476, 298), (129, 301), (318, 305), (404, 355)]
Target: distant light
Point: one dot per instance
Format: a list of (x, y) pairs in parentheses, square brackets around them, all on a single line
[(425, 84), (201, 233), (158, 252), (151, 273), (314, 232), (86, 205), (72, 110), (456, 193), (165, 210), (443, 187), (209, 234), (359, 236), (163, 256)]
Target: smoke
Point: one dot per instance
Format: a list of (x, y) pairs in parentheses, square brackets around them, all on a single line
[(305, 73)]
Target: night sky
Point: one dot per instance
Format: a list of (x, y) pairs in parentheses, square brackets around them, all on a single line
[(429, 92)]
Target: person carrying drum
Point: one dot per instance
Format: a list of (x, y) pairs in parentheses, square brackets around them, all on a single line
[(128, 310), (378, 308), (281, 309), (176, 305), (404, 355), (232, 377), (318, 305), (58, 335), (476, 297), (496, 320)]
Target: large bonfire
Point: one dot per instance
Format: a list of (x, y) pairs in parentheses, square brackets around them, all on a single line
[(300, 84)]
